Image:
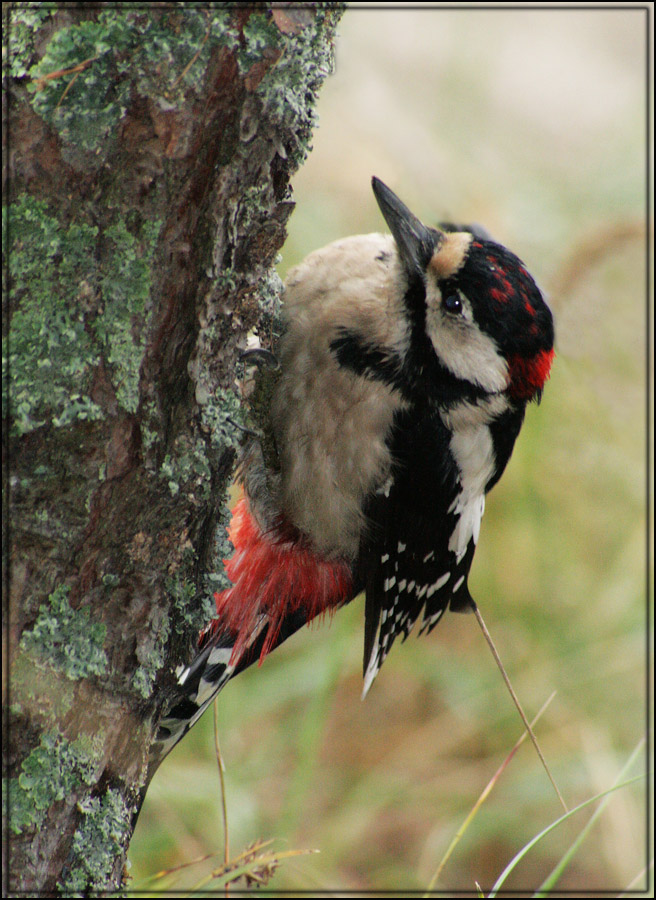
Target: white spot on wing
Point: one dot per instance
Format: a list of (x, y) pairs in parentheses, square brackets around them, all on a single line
[(372, 668), (441, 581), (182, 673), (467, 527), (206, 690), (431, 620), (220, 655), (473, 451)]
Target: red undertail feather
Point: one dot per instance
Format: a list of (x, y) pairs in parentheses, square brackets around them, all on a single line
[(273, 576)]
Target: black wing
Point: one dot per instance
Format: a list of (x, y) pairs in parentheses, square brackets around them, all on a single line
[(406, 564)]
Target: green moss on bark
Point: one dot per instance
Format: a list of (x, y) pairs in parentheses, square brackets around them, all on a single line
[(66, 639), (48, 349), (151, 652), (97, 842), (23, 24), (52, 772), (124, 117), (290, 89), (84, 83), (77, 297)]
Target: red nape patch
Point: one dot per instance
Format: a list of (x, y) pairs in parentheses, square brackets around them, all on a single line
[(273, 576), (498, 296), (527, 376)]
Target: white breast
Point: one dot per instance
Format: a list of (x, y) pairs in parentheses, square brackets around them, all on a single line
[(331, 424)]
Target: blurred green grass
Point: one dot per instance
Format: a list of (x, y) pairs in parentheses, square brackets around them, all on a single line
[(533, 123)]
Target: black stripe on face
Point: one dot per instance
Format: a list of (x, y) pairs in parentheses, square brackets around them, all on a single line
[(422, 378), (353, 352)]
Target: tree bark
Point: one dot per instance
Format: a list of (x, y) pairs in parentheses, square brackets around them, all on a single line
[(147, 170)]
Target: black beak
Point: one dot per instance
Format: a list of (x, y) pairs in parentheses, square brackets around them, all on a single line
[(415, 241)]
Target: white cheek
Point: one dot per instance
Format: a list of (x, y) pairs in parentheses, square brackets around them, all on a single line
[(466, 351)]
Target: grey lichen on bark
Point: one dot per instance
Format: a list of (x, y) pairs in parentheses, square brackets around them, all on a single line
[(147, 191)]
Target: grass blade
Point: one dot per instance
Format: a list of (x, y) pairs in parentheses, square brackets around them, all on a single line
[(224, 806), (515, 699), (553, 877), (523, 852), (255, 866), (484, 795)]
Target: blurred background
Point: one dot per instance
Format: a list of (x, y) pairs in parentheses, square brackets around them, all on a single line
[(532, 122)]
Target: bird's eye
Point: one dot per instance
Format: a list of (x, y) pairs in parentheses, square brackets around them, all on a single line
[(452, 304)]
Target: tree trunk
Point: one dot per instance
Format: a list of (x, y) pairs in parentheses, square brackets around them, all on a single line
[(147, 170)]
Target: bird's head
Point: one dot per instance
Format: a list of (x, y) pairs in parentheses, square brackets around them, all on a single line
[(481, 315)]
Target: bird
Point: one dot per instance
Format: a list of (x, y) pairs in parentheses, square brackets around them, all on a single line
[(399, 387)]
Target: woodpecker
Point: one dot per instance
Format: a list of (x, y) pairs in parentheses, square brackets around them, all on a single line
[(406, 365)]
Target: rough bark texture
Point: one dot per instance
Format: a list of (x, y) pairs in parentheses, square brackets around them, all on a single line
[(147, 170)]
